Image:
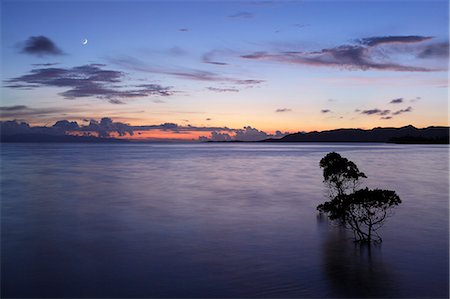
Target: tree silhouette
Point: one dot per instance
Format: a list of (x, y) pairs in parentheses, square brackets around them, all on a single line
[(340, 174), (364, 211)]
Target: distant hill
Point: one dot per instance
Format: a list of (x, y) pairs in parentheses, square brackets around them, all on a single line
[(408, 134), (56, 138)]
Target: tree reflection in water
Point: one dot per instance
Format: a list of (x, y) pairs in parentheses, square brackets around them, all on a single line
[(353, 269)]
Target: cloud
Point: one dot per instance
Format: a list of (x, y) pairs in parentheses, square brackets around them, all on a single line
[(45, 64), (66, 125), (134, 64), (223, 89), (283, 110), (106, 127), (376, 111), (40, 46), (22, 111), (13, 108), (403, 39), (242, 15), (396, 101), (386, 114), (208, 57), (116, 101), (246, 134), (409, 109), (90, 80), (436, 50), (325, 111), (217, 136), (183, 29), (364, 55)]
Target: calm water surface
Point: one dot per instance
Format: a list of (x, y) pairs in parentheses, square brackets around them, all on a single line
[(214, 220)]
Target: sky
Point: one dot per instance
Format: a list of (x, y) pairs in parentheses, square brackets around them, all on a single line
[(214, 70)]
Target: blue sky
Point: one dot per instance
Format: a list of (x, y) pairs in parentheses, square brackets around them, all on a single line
[(232, 64)]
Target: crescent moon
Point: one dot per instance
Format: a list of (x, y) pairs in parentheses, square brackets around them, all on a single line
[(84, 42)]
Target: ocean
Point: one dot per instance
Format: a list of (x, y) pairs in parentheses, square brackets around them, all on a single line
[(215, 220)]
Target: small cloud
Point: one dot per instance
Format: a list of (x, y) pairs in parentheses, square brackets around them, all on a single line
[(223, 89), (357, 110), (386, 117), (415, 99), (115, 101), (325, 111), (396, 101), (183, 29), (242, 15), (409, 109), (300, 25), (45, 64), (283, 110), (376, 111), (40, 46), (208, 119), (208, 57)]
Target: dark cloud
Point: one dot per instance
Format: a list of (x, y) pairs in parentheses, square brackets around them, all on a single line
[(90, 80), (386, 117), (246, 134), (283, 110), (325, 111), (66, 125), (40, 46), (13, 108), (242, 15), (436, 50), (223, 89), (22, 111), (45, 64), (183, 29), (360, 56), (409, 109), (404, 39), (396, 101), (376, 111), (106, 127)]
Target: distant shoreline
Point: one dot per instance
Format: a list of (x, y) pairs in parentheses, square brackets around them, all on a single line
[(404, 135)]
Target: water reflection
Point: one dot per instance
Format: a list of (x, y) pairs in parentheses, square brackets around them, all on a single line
[(353, 269)]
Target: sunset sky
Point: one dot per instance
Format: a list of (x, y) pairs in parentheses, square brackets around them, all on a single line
[(283, 66)]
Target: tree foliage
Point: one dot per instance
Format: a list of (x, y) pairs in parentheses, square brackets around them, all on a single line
[(364, 211), (340, 174)]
